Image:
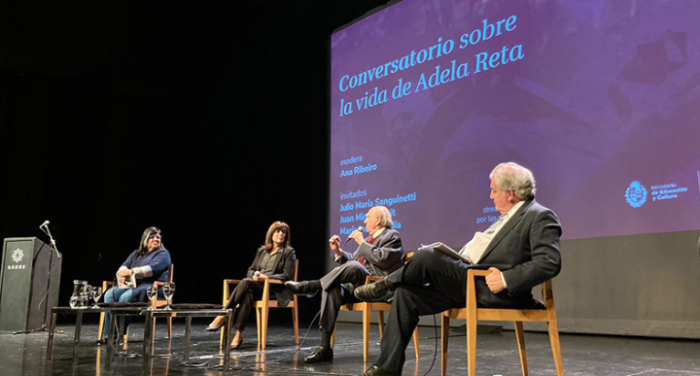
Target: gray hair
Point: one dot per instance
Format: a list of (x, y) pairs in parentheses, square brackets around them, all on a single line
[(384, 216), (510, 176)]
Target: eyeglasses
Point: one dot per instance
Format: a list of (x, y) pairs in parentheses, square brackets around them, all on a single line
[(154, 237)]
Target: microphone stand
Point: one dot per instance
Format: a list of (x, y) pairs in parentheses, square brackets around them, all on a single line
[(45, 228)]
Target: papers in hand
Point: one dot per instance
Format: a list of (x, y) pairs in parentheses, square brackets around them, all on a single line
[(129, 282), (440, 247)]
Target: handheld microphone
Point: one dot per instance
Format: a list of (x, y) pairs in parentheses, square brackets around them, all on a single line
[(359, 228)]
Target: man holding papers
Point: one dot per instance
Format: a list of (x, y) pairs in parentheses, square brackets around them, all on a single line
[(521, 249)]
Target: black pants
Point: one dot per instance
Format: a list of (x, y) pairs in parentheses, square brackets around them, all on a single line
[(429, 283), (244, 295), (337, 289)]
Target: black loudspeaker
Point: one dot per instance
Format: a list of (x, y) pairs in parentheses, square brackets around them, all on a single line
[(29, 283)]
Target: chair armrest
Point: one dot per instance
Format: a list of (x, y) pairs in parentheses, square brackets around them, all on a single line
[(478, 273), (275, 281), (232, 281), (106, 284), (371, 279)]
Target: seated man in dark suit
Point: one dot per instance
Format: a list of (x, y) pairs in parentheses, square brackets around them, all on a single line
[(380, 254), (521, 249)]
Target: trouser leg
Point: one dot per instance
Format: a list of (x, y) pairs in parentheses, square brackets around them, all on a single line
[(244, 296), (434, 269), (333, 300), (338, 286), (409, 304)]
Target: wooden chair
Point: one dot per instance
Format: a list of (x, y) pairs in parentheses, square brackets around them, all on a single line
[(367, 308), (155, 303), (262, 308), (473, 314)]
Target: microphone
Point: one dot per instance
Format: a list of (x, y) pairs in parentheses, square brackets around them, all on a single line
[(45, 228), (359, 228)]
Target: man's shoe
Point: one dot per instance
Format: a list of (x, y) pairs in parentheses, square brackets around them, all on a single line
[(303, 288), (372, 292), (376, 371), (321, 354)]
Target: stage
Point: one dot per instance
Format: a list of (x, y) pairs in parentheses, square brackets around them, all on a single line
[(497, 354)]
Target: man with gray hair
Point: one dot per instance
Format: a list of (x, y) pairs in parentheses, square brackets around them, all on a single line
[(379, 254), (521, 249)]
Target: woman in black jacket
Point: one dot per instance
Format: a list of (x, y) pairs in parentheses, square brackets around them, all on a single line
[(275, 259)]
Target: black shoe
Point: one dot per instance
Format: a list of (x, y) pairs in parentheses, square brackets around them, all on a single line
[(304, 288), (376, 371), (102, 341), (321, 354), (372, 292)]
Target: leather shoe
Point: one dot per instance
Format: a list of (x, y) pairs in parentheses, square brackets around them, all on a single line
[(321, 354), (376, 371), (303, 288), (372, 292)]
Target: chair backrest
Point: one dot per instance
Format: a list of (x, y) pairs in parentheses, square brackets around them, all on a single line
[(170, 272)]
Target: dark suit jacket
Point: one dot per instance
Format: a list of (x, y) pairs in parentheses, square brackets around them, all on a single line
[(284, 271), (382, 257), (526, 250)]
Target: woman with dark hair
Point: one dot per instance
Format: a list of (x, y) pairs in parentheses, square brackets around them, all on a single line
[(147, 264), (275, 260)]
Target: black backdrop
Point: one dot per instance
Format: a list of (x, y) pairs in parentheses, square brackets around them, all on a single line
[(208, 120)]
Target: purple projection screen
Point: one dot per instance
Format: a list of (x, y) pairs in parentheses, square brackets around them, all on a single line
[(600, 99)]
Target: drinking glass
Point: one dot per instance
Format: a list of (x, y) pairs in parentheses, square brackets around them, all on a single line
[(168, 291), (151, 292), (96, 292)]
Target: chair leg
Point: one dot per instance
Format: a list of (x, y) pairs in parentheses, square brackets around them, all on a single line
[(556, 349), (416, 345), (170, 327), (295, 321), (366, 322), (222, 336), (380, 317), (258, 324), (126, 337), (471, 346), (101, 329), (520, 336), (265, 312), (445, 338)]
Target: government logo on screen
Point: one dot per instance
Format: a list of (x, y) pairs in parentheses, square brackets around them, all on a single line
[(636, 194)]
